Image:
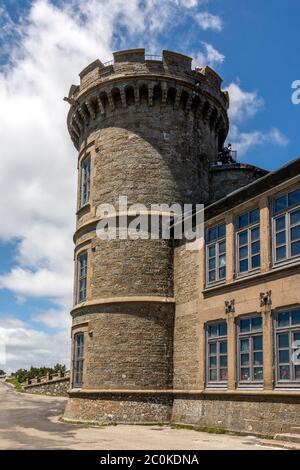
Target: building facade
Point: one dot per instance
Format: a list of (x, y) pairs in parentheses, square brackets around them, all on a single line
[(162, 333)]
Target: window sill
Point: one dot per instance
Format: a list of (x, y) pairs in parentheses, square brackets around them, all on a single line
[(211, 285), (250, 386), (285, 263), (216, 386), (247, 274), (84, 209), (252, 276)]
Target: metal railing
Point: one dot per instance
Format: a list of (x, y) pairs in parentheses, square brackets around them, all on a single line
[(158, 58), (109, 62)]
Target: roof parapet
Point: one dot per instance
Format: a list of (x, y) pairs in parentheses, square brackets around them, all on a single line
[(174, 59), (129, 55)]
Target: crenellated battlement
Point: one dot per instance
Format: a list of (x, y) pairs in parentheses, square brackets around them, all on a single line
[(134, 78)]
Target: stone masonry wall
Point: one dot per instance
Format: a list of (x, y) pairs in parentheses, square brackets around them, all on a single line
[(263, 415), (58, 387), (118, 408), (130, 346), (186, 331)]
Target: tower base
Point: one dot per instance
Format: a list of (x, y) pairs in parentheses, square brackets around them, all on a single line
[(119, 407)]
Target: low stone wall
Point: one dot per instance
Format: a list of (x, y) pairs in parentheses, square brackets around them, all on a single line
[(56, 385), (262, 415)]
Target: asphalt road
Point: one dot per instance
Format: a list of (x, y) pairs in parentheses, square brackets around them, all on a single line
[(31, 422)]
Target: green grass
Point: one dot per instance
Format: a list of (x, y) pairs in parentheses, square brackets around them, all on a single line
[(16, 384)]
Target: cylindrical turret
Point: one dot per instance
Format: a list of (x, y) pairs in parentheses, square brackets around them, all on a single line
[(147, 128)]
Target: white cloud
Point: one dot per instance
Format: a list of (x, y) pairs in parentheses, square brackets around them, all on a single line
[(208, 21), (25, 346), (209, 56), (243, 104), (244, 141)]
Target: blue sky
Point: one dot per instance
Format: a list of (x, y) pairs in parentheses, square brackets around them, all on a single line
[(43, 46)]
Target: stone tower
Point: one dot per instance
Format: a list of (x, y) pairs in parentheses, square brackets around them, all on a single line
[(148, 128)]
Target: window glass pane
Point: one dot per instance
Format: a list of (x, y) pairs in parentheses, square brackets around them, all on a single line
[(222, 272), (245, 325), (244, 359), (294, 197), (222, 230), (295, 248), (223, 328), (284, 372), (213, 361), (254, 216), (244, 345), (243, 252), (255, 247), (213, 234), (213, 348), (296, 317), (295, 217), (284, 356), (223, 374), (255, 234), (223, 347), (213, 374), (223, 361), (257, 343), (258, 373), (280, 238), (212, 251), (244, 265), (243, 238), (222, 260), (297, 372), (213, 330), (280, 253), (283, 340), (258, 359), (256, 323), (243, 220), (212, 276), (245, 373), (212, 263), (296, 336), (295, 233), (255, 261), (280, 203), (222, 247), (280, 224)]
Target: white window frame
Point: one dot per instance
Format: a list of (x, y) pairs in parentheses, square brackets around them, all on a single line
[(217, 340), (78, 360), (82, 276), (247, 228), (216, 243), (250, 335), (85, 180), (286, 214), (292, 382)]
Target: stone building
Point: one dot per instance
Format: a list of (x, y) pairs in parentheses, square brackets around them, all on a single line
[(162, 333)]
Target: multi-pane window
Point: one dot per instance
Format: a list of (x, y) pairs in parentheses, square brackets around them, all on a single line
[(85, 181), (248, 241), (250, 349), (78, 359), (81, 276), (286, 226), (216, 347), (216, 254), (287, 341)]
